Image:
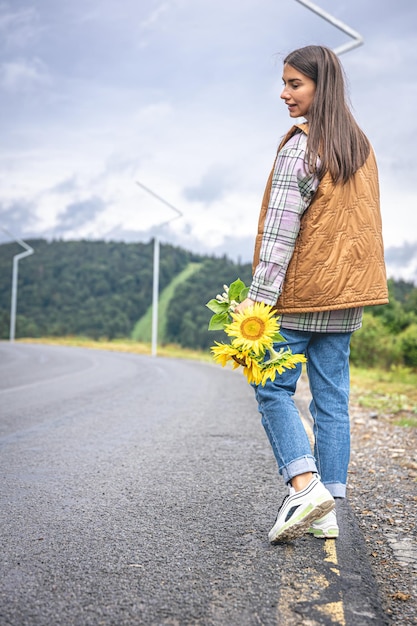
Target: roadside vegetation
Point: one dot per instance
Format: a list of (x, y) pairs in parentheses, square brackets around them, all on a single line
[(390, 392)]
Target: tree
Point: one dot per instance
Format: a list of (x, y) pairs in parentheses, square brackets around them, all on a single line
[(408, 343)]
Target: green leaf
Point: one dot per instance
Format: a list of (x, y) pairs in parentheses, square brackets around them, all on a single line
[(235, 289), (216, 306), (243, 294), (277, 337), (218, 321)]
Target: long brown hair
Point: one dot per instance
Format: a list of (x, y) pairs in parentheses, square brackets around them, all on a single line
[(333, 132)]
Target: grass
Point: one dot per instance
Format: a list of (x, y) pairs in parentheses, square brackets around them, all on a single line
[(393, 392), (122, 345), (143, 327), (406, 422)]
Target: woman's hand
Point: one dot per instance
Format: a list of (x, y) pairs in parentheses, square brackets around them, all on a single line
[(244, 305)]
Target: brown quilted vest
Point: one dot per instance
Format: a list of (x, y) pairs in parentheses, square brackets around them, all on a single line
[(338, 259)]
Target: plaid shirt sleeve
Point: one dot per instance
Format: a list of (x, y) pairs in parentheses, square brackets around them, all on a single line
[(291, 193)]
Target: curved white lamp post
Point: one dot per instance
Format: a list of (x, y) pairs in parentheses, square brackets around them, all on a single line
[(15, 273), (156, 246), (357, 38)]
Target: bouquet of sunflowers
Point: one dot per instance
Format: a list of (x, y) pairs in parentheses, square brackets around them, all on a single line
[(252, 333)]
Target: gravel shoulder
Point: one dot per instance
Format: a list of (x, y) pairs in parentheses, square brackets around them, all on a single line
[(383, 495)]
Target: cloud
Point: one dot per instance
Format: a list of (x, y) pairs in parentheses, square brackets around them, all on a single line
[(19, 218), (239, 249), (78, 214), (23, 75), (399, 255), (402, 261), (65, 186), (183, 95), (155, 16), (18, 28), (213, 186)]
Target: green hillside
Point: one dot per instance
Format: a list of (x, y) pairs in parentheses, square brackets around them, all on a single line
[(143, 327), (103, 290), (92, 288)]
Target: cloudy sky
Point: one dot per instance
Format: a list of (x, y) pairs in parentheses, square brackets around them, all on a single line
[(183, 96)]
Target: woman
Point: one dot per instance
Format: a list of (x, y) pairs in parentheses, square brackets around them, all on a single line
[(319, 260)]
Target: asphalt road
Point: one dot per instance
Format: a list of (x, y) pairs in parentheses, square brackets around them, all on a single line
[(140, 490)]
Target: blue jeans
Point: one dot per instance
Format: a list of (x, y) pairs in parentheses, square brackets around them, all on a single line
[(328, 373)]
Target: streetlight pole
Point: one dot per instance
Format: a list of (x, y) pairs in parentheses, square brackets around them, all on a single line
[(155, 295), (15, 272), (357, 38), (156, 254)]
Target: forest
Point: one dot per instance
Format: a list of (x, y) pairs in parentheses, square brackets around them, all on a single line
[(101, 290), (92, 288)]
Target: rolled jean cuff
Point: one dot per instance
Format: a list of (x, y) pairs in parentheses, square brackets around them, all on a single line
[(338, 490), (298, 466)]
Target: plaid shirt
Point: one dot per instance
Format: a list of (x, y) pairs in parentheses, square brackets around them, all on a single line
[(292, 190)]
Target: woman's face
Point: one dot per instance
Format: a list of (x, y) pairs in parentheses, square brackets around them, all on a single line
[(298, 92)]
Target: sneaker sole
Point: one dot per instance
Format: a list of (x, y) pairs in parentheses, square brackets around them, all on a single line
[(321, 534), (300, 528)]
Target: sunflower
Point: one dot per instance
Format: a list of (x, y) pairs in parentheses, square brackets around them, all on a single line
[(254, 329), (286, 360), (253, 372), (223, 353)]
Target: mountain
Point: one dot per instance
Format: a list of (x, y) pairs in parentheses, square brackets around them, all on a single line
[(103, 289)]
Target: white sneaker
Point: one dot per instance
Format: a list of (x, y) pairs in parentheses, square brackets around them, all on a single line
[(299, 509), (325, 527)]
